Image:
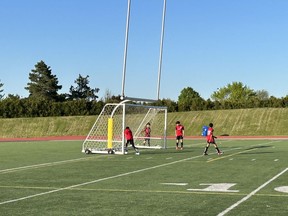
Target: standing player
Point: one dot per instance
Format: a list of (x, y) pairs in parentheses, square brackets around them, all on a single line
[(211, 140), (129, 140), (147, 132), (179, 133)]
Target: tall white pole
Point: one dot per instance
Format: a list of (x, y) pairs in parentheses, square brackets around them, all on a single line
[(125, 49), (161, 49)]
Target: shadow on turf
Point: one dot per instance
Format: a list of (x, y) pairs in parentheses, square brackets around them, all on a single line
[(258, 147), (257, 153), (157, 151), (167, 151)]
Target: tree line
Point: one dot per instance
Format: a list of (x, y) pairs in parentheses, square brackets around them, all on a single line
[(44, 99)]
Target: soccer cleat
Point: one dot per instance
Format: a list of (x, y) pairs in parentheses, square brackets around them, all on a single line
[(220, 153), (205, 153), (181, 148)]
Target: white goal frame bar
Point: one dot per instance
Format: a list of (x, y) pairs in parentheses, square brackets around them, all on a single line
[(111, 142)]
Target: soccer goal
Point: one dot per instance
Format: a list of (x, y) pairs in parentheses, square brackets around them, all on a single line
[(107, 134)]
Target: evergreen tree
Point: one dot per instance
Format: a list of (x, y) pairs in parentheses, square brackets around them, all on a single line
[(43, 83), (1, 90), (82, 90)]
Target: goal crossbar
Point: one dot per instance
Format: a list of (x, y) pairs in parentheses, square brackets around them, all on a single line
[(107, 133)]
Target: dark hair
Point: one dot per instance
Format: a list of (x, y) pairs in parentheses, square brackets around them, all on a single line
[(127, 127), (211, 125), (177, 122), (148, 123)]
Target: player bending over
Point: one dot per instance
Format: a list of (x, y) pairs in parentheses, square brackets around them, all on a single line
[(211, 140), (129, 140)]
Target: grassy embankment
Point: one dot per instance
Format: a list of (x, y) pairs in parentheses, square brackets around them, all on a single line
[(240, 122)]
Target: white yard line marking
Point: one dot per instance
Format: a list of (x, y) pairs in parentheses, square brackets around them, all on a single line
[(282, 189), (43, 165), (97, 180), (176, 184), (217, 187), (69, 161), (90, 182), (251, 194)]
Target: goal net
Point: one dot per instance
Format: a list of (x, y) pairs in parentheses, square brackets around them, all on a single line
[(107, 133)]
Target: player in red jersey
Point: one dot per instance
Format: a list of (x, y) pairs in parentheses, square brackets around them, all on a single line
[(179, 133), (147, 132), (211, 140), (129, 139)]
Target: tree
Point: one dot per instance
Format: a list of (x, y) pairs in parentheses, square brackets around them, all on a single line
[(262, 94), (189, 100), (43, 85), (82, 90), (235, 92), (285, 101), (170, 104), (1, 90), (107, 96)]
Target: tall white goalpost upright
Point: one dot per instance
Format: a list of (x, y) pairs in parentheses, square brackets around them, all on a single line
[(126, 51), (107, 134)]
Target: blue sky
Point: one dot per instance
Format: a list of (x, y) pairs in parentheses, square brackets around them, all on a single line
[(208, 44)]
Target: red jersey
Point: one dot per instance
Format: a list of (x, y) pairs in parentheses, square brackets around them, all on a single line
[(210, 137), (179, 130), (128, 134), (147, 131)]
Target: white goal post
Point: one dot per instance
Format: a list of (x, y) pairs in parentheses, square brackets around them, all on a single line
[(107, 134)]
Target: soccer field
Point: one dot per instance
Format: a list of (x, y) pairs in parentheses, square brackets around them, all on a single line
[(55, 178)]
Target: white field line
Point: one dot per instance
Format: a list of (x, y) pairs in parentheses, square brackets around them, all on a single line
[(74, 160), (42, 165), (79, 159), (98, 180), (251, 194), (175, 184), (57, 163)]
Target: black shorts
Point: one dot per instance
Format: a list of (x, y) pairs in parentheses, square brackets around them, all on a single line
[(179, 137), (130, 142)]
